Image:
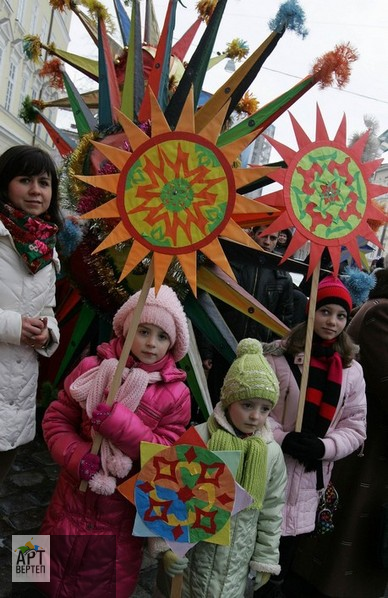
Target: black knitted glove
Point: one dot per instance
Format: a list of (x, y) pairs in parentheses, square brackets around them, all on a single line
[(306, 447)]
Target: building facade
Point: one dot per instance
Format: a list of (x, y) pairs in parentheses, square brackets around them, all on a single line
[(20, 75)]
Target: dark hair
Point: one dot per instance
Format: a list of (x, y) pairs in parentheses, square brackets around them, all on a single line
[(294, 343), (380, 290), (29, 160)]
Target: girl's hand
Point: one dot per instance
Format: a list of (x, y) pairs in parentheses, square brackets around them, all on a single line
[(34, 333), (99, 415)]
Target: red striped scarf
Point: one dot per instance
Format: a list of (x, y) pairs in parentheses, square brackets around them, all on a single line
[(323, 388)]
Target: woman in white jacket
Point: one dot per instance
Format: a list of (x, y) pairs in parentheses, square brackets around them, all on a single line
[(29, 221)]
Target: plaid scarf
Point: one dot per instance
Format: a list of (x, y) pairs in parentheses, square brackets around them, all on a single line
[(323, 388), (34, 238)]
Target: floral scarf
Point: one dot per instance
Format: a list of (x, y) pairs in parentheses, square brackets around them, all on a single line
[(34, 238)]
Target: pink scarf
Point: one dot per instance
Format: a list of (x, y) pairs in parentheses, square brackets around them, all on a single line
[(89, 390)]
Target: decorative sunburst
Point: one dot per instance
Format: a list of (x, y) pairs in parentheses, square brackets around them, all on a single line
[(176, 193), (326, 194)]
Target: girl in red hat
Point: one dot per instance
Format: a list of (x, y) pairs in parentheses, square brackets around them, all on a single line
[(334, 418)]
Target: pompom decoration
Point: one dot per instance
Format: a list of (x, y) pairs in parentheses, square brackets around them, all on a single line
[(358, 283), (237, 49), (119, 467), (249, 346), (28, 113), (205, 9), (53, 69), (32, 47), (247, 105), (376, 224), (102, 484), (69, 237), (335, 66), (289, 16), (61, 5)]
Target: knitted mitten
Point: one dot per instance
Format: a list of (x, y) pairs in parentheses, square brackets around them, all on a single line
[(99, 415), (173, 565), (89, 465)]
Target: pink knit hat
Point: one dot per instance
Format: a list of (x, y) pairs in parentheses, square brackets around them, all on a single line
[(163, 310)]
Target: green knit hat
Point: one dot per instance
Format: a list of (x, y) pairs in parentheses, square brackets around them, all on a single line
[(250, 376)]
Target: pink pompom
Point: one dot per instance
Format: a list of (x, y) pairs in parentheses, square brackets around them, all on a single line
[(119, 465), (102, 484)]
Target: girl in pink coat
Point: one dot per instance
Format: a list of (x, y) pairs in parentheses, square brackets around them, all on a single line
[(93, 551), (334, 417)]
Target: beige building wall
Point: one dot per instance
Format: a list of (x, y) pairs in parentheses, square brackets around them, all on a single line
[(19, 75)]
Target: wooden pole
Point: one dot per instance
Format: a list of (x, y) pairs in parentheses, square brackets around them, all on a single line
[(176, 586), (307, 349), (124, 356)]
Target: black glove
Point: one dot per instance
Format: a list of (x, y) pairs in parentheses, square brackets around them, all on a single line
[(306, 447)]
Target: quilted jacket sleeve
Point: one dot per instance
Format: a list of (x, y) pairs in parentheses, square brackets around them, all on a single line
[(62, 427), (127, 429), (266, 554)]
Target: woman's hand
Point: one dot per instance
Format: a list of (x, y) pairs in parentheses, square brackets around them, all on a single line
[(34, 333)]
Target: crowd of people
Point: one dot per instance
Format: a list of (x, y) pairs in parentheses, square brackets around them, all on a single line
[(284, 466)]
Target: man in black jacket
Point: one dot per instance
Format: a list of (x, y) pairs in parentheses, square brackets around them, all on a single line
[(272, 287)]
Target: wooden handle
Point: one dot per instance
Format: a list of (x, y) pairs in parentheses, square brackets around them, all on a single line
[(176, 586), (307, 349), (124, 356)]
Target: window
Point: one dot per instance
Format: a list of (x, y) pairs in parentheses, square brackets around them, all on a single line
[(10, 85), (20, 15)]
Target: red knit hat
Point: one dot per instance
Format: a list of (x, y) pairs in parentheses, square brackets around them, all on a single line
[(164, 310), (332, 290)]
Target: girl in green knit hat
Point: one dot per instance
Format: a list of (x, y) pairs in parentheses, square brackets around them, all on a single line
[(239, 423)]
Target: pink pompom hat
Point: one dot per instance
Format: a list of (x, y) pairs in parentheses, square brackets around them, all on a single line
[(164, 310)]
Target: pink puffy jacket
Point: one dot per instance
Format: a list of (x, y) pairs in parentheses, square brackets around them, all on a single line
[(93, 552), (346, 434)]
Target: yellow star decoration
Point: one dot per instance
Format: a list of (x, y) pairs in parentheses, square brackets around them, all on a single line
[(176, 193)]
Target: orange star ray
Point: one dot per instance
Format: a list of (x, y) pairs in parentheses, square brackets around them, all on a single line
[(162, 264), (106, 210), (186, 119), (136, 254), (159, 123), (234, 232), (213, 128), (117, 235), (188, 261), (216, 254), (243, 176), (117, 156), (136, 136), (108, 182), (234, 149)]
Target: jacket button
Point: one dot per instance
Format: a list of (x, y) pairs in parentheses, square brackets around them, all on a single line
[(90, 526)]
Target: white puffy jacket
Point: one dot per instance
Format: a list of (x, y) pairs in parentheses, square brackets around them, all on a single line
[(21, 293)]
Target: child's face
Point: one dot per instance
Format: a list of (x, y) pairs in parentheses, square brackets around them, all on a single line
[(150, 344), (32, 194), (250, 415), (330, 320)]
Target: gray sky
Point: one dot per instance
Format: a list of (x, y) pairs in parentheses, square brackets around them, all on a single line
[(363, 24)]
